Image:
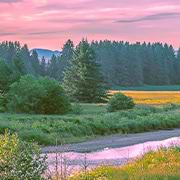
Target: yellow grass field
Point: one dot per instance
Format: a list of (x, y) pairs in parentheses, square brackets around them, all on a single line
[(152, 97)]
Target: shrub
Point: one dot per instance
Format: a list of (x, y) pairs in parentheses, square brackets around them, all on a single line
[(120, 102), (1, 104), (20, 160), (35, 135), (37, 95), (77, 109)]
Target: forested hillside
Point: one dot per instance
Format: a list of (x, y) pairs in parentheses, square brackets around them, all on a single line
[(122, 63)]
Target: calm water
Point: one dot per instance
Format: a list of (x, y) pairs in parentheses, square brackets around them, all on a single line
[(72, 161)]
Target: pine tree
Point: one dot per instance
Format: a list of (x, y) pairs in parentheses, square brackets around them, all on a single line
[(26, 58), (83, 81), (67, 51), (5, 77), (18, 68), (65, 58), (43, 69), (53, 67), (177, 67), (136, 67), (10, 73), (35, 62)]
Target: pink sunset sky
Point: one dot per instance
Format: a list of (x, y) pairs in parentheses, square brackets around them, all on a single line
[(49, 23)]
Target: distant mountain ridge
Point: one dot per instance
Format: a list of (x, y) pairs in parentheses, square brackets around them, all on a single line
[(47, 53), (176, 51)]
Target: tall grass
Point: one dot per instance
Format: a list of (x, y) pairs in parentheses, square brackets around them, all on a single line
[(92, 122)]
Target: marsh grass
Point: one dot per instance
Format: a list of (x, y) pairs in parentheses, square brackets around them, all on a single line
[(93, 121)]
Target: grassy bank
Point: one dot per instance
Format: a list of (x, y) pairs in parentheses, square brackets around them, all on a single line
[(163, 164), (149, 88), (92, 121)]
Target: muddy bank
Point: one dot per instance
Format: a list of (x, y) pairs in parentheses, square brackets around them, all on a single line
[(115, 141), (72, 161)]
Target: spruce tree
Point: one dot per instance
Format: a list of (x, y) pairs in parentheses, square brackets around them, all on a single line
[(18, 68), (10, 73), (83, 80), (53, 67), (43, 69), (65, 58), (35, 62), (67, 51), (26, 58), (177, 67), (5, 77)]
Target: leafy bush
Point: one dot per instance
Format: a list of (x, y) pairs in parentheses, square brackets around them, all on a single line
[(37, 95), (170, 107), (120, 102), (35, 135), (20, 160)]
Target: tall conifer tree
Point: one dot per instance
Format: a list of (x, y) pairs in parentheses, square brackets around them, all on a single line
[(83, 80), (65, 58)]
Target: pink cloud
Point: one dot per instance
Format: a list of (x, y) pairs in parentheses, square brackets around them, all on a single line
[(49, 23)]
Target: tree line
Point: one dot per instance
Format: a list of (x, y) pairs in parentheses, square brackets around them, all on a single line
[(138, 64), (121, 63), (23, 89)]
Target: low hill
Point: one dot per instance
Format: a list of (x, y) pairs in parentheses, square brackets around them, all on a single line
[(46, 53)]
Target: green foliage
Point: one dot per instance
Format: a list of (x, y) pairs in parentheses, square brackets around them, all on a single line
[(2, 103), (66, 57), (18, 66), (77, 109), (120, 102), (19, 58), (148, 88), (37, 95), (125, 64), (5, 73), (36, 63), (67, 52), (83, 81), (93, 121), (177, 67), (43, 67), (122, 63), (53, 67), (20, 160), (34, 135), (10, 73)]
